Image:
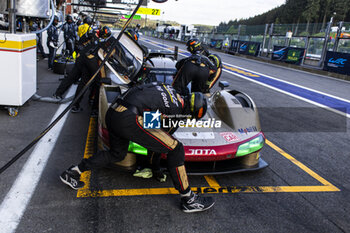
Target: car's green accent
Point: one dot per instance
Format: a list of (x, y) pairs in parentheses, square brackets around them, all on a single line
[(137, 149), (249, 147)]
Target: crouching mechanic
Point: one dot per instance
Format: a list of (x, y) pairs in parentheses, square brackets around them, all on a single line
[(201, 68), (124, 121)]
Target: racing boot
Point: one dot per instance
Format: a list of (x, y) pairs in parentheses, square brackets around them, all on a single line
[(71, 177), (192, 202)]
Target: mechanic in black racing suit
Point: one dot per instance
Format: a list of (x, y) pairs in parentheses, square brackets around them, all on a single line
[(70, 34), (52, 42), (85, 66), (125, 122), (201, 68)]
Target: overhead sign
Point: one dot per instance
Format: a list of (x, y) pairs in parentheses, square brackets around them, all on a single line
[(137, 17), (148, 11), (132, 2)]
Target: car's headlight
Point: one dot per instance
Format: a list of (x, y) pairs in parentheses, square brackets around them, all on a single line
[(137, 149), (249, 147)]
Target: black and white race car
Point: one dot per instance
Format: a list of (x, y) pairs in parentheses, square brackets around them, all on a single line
[(230, 141)]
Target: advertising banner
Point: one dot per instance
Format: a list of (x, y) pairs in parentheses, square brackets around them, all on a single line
[(253, 48), (337, 62), (234, 45), (217, 44), (243, 47), (288, 54), (294, 55), (279, 53)]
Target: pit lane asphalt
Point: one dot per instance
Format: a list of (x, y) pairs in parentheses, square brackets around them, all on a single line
[(56, 208)]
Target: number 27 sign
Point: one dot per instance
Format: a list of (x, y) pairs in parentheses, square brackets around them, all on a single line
[(148, 11)]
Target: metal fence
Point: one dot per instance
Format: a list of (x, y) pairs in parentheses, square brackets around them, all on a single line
[(316, 39)]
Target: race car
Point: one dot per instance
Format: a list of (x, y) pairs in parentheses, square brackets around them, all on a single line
[(229, 138)]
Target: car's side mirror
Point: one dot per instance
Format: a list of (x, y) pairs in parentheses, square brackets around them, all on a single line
[(223, 84), (107, 81)]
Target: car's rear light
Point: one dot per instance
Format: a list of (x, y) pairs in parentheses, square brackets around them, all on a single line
[(137, 149), (251, 146)]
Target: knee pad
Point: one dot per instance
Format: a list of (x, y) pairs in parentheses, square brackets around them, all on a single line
[(176, 157)]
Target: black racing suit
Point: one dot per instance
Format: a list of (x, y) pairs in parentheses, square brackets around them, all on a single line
[(40, 49), (125, 123), (197, 69), (85, 67), (52, 36), (70, 35)]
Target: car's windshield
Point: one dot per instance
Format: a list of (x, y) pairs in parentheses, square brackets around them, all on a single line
[(126, 59), (123, 62), (161, 75)]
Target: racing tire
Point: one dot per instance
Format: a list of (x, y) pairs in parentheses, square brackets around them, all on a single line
[(59, 65), (245, 102)]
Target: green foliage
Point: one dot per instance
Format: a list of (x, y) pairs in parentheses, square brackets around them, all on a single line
[(297, 12), (311, 10)]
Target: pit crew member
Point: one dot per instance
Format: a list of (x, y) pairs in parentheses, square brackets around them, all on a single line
[(125, 122)]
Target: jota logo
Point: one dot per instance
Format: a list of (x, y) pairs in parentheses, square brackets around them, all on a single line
[(202, 152), (151, 120)]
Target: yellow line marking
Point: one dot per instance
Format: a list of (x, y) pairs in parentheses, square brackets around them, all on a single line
[(88, 152), (214, 186), (211, 181), (241, 71), (128, 192), (299, 164), (218, 189)]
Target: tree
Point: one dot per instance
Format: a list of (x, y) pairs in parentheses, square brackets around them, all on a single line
[(341, 7), (311, 11), (326, 8)]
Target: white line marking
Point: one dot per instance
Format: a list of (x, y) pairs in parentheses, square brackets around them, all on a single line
[(17, 199), (276, 89), (290, 83), (290, 94), (278, 66)]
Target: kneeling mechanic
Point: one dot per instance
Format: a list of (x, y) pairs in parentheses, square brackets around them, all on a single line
[(124, 121)]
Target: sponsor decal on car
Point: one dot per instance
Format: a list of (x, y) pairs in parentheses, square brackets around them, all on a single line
[(229, 136), (202, 152), (248, 130)]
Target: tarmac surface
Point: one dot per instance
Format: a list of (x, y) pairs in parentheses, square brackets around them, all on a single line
[(305, 188)]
